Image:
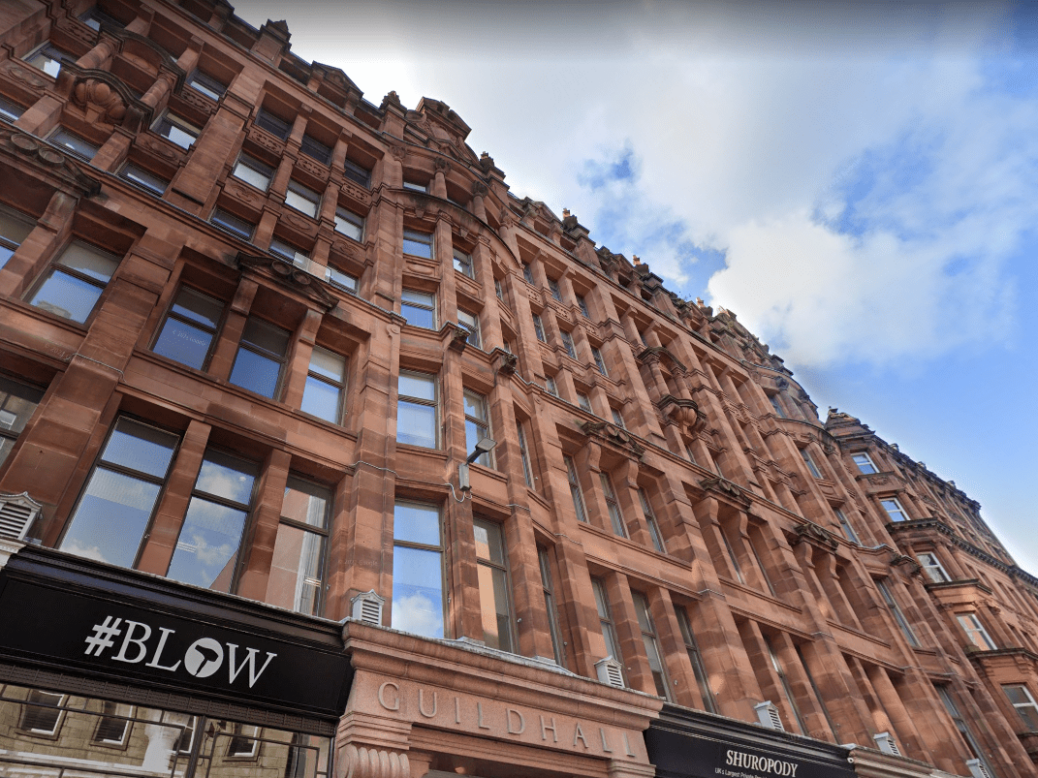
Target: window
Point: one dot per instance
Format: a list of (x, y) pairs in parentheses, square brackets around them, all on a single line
[(349, 224), (17, 404), (618, 418), (477, 426), (419, 244), (584, 402), (895, 611), (499, 290), (303, 199), (206, 84), (315, 149), (231, 223), (42, 712), (811, 466), (650, 520), (524, 455), (325, 385), (145, 179), (73, 143), (341, 280), (786, 688), (113, 513), (297, 567), (528, 273), (47, 58), (652, 646), (933, 568), (567, 342), (960, 724), (10, 111), (574, 488), (492, 571), (470, 323), (894, 509), (696, 658), (243, 743), (274, 125), (206, 554), (760, 563), (777, 406), (261, 355), (416, 187), (848, 530), (551, 386), (419, 308), (605, 621), (95, 17), (73, 285), (252, 171), (13, 230), (736, 567), (599, 361), (549, 605), (582, 303), (975, 631), (114, 723), (864, 463), (190, 328), (463, 263), (357, 173), (553, 286), (417, 403), (287, 251), (691, 454), (418, 600), (1021, 699), (615, 516), (538, 328), (177, 130)]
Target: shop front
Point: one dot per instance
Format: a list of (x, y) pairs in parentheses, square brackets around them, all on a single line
[(684, 743), (111, 672)]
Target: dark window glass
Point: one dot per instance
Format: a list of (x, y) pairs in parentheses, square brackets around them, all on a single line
[(315, 149), (145, 179), (10, 111), (13, 230), (73, 143), (356, 173), (190, 328), (232, 224), (17, 404), (273, 124), (298, 563), (257, 366), (207, 85), (74, 284)]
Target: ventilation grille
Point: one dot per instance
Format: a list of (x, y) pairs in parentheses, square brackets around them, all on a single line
[(887, 744), (978, 769), (768, 715), (17, 512), (610, 672), (367, 607)]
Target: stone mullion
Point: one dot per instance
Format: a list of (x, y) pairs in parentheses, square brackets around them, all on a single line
[(589, 472), (933, 735), (222, 361), (385, 229), (684, 687), (298, 362), (812, 581), (770, 683), (447, 302), (51, 230), (811, 712), (257, 544), (464, 612), (528, 346), (574, 599), (629, 634), (625, 485), (838, 690)]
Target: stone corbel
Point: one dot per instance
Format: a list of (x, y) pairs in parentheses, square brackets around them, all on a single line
[(363, 762), (684, 413), (504, 363)]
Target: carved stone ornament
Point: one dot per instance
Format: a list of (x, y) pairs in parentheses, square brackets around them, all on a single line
[(291, 277), (28, 76), (809, 532), (655, 353), (910, 565), (479, 189), (263, 138), (398, 151), (28, 147), (725, 488), (362, 762), (684, 413), (616, 436), (505, 363), (107, 100), (459, 338), (442, 165), (312, 167), (161, 147)]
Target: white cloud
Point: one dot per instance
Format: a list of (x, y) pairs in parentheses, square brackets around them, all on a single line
[(866, 180)]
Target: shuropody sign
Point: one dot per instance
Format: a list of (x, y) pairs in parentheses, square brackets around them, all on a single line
[(102, 636)]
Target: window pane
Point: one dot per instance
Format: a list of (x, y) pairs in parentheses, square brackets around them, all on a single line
[(255, 372), (418, 244), (183, 342), (14, 229), (111, 518), (266, 336), (417, 592), (493, 600), (296, 570), (302, 199), (416, 424), (355, 172), (488, 541), (72, 142), (224, 476), (314, 148), (231, 223), (17, 402), (418, 317), (140, 447), (344, 280), (418, 386), (416, 524), (207, 548), (141, 177), (207, 85), (273, 124), (198, 307), (181, 134), (327, 363), (68, 297), (10, 111), (89, 261), (475, 405), (254, 172), (306, 503), (321, 399)]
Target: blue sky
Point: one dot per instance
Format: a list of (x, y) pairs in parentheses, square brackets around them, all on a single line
[(858, 182)]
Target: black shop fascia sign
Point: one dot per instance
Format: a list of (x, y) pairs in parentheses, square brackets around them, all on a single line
[(689, 744), (80, 617)]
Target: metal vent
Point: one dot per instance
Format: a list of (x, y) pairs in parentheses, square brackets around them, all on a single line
[(978, 769), (886, 743), (610, 672), (768, 715), (17, 512), (367, 607)]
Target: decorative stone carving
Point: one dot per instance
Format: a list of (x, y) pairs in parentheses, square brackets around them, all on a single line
[(25, 145), (725, 488), (617, 436), (100, 102), (292, 277), (459, 338), (442, 165), (684, 413), (263, 138), (162, 148), (27, 76), (479, 189), (312, 167), (362, 762), (398, 151), (809, 532), (505, 363)]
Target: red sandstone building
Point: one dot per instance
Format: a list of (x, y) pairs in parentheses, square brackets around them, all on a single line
[(251, 328)]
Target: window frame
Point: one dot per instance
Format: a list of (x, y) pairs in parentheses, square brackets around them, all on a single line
[(810, 462), (212, 330), (898, 614), (10, 110), (127, 720), (344, 216), (695, 656), (976, 630), (575, 490), (322, 531), (339, 385), (548, 587), (250, 162), (567, 343), (787, 688), (214, 90), (8, 244), (607, 625), (28, 704), (584, 402), (650, 520), (845, 525), (431, 307), (254, 348), (309, 144), (503, 568), (538, 328), (469, 396), (550, 386), (167, 120), (7, 427), (651, 642), (55, 266), (596, 354), (300, 192), (934, 569), (357, 173), (524, 454), (263, 118), (440, 550), (868, 463), (475, 337), (417, 238), (332, 275), (899, 509), (582, 304), (1030, 719), (616, 516), (65, 139), (219, 219), (464, 264), (434, 404), (141, 182), (49, 52)]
